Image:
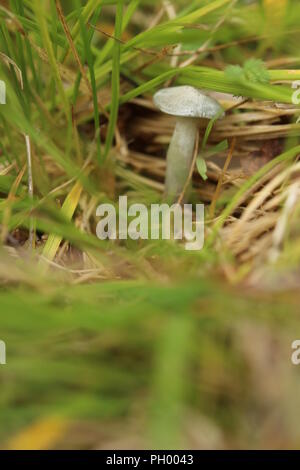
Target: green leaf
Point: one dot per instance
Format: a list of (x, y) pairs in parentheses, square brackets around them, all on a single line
[(220, 147), (234, 73), (254, 70), (202, 168)]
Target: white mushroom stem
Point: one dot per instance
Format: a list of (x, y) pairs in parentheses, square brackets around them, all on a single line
[(180, 156)]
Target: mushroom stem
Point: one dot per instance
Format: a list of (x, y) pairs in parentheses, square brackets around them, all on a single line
[(180, 156)]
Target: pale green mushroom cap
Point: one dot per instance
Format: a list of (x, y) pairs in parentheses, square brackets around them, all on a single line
[(187, 101)]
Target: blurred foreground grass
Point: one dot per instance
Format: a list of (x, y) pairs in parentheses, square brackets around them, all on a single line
[(167, 366)]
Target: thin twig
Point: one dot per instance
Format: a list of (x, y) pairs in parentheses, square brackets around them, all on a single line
[(72, 45), (220, 181)]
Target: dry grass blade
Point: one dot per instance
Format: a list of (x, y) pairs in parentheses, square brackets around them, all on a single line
[(220, 181), (67, 210), (72, 45)]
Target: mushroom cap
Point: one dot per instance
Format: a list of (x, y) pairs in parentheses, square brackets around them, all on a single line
[(187, 101)]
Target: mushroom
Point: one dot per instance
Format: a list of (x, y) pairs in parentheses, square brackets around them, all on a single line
[(188, 104)]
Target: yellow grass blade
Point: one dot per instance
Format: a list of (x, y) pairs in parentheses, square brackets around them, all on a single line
[(41, 435), (68, 209)]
